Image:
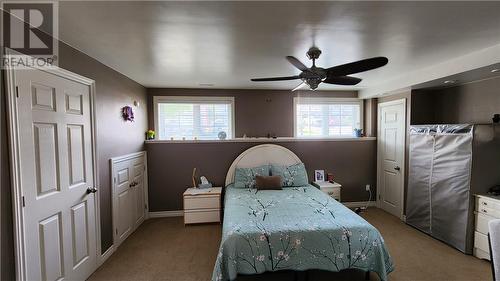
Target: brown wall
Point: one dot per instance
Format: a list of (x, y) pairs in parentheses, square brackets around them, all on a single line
[(170, 165), (114, 137), (370, 117), (257, 112), (469, 103)]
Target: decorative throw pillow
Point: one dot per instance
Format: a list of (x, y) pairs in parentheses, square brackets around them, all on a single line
[(268, 183), (245, 177), (293, 175)]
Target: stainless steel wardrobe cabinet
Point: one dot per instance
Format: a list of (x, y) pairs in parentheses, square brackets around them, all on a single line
[(448, 165)]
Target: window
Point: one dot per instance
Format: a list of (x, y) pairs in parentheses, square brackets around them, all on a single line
[(191, 118), (327, 117)]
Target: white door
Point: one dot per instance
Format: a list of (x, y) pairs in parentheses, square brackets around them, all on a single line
[(138, 189), (56, 176), (129, 208), (391, 153), (123, 204)]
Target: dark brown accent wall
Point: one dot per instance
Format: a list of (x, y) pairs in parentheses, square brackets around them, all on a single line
[(114, 137), (469, 103), (257, 112), (473, 103), (370, 117), (170, 165)]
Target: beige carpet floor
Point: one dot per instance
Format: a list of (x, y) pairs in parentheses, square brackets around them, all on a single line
[(163, 249)]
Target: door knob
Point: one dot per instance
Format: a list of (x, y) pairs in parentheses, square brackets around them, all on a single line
[(397, 168), (91, 190)]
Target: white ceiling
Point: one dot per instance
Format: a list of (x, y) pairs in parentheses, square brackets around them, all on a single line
[(185, 44)]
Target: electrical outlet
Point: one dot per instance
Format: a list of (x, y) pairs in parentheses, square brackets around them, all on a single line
[(367, 187)]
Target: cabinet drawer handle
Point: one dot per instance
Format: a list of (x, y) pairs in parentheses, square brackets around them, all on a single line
[(485, 203), (484, 211)]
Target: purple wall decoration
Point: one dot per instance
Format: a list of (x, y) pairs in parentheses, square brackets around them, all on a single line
[(128, 113)]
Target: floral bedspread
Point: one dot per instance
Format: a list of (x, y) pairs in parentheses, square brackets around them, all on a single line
[(297, 228)]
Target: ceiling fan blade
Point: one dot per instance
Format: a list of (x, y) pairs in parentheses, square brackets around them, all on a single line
[(299, 86), (356, 67), (342, 80), (297, 63), (275, 78)]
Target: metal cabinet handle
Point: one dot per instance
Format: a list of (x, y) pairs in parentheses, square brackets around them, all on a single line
[(397, 168), (91, 190), (485, 203)]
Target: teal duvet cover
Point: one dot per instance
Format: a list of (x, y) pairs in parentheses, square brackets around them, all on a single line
[(297, 228)]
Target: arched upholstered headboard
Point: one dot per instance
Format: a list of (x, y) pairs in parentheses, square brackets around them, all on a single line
[(260, 155)]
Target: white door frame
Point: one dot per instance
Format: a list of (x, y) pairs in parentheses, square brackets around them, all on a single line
[(379, 146), (17, 204)]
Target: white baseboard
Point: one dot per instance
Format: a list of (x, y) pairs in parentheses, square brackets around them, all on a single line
[(166, 214), (106, 255), (360, 204)]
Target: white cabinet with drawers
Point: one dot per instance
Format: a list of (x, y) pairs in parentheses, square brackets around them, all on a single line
[(331, 188), (487, 208), (202, 205)]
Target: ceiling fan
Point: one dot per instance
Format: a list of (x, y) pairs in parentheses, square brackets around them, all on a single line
[(313, 76)]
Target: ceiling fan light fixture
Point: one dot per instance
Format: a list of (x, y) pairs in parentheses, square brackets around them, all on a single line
[(337, 75)]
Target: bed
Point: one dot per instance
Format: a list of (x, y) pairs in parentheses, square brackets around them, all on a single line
[(297, 228)]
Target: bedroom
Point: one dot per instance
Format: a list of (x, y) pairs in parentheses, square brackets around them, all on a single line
[(87, 195)]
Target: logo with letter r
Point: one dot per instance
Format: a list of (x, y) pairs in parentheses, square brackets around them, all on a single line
[(29, 28)]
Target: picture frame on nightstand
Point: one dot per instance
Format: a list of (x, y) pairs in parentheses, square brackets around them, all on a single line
[(319, 175)]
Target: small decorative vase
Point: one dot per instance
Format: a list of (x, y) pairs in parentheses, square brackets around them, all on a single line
[(222, 135)]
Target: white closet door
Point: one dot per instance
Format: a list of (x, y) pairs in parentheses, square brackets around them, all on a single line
[(137, 167), (129, 207), (123, 201), (56, 169)]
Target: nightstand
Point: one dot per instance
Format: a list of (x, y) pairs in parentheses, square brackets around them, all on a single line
[(202, 205), (332, 189), (487, 209)]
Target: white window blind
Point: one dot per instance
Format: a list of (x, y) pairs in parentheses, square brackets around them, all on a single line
[(327, 117), (202, 118)]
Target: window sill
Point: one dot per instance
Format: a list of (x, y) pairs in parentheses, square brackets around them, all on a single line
[(266, 140)]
